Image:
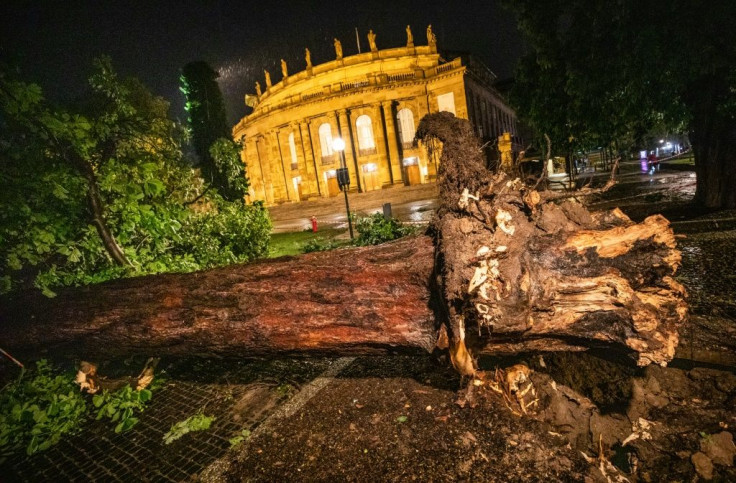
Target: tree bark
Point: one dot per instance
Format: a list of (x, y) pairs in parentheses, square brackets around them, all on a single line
[(506, 270), (94, 201), (359, 301), (713, 137)]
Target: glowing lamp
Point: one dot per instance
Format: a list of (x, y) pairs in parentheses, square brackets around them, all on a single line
[(338, 144)]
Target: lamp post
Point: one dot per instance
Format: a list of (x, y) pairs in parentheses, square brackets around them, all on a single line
[(343, 178)]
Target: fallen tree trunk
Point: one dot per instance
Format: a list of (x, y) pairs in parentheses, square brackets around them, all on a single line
[(507, 269), (369, 300)]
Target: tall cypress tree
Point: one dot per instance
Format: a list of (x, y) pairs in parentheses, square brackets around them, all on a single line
[(208, 123)]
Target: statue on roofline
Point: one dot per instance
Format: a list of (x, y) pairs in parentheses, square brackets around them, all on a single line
[(308, 58), (284, 70), (372, 41), (268, 79), (431, 37), (338, 49), (409, 37), (258, 89)]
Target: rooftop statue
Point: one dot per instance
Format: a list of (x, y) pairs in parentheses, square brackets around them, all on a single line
[(284, 70), (268, 79), (308, 58), (431, 37), (338, 49), (409, 37), (372, 40), (258, 89)]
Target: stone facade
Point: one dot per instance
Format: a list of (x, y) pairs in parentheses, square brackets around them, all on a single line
[(373, 101)]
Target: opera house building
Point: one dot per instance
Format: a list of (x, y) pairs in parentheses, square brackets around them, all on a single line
[(373, 101)]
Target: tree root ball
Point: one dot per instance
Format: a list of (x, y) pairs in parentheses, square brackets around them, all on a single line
[(523, 270)]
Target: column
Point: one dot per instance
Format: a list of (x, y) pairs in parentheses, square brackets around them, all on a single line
[(312, 134), (379, 131), (353, 151), (253, 169), (392, 141), (310, 177), (280, 185), (342, 129), (263, 160)]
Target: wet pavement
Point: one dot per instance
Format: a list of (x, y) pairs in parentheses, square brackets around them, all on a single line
[(248, 394), (413, 204), (416, 204)]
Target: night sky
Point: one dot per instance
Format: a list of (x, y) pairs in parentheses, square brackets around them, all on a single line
[(54, 43)]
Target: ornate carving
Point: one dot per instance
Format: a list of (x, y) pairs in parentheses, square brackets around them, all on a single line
[(409, 37), (338, 49), (372, 41)]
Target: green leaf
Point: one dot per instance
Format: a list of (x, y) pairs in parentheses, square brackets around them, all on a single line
[(401, 419), (129, 423)]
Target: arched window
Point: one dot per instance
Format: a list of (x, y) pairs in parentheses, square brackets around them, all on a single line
[(366, 143), (292, 149), (325, 140), (405, 119)]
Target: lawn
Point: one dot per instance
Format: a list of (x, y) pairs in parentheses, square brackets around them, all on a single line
[(684, 159), (291, 243)]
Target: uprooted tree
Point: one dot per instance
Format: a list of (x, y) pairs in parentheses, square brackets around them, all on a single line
[(504, 269)]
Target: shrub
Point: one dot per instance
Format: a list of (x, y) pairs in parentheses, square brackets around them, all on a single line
[(316, 245), (375, 229)]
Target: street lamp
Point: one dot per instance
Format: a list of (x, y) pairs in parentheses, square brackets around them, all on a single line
[(343, 177)]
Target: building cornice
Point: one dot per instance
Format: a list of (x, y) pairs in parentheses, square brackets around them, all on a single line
[(376, 83)]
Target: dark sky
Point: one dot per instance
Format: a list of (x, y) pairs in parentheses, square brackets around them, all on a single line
[(54, 42)]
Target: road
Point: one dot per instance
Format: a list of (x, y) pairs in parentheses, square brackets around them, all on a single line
[(416, 204)]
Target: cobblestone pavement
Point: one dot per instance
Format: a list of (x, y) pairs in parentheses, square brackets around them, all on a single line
[(243, 394)]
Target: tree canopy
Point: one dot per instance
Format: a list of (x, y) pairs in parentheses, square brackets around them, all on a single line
[(101, 190), (602, 74), (211, 135)]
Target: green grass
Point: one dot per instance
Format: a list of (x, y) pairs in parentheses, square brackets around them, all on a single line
[(292, 243), (686, 159)]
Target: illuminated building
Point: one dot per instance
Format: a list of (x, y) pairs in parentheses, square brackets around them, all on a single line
[(374, 101)]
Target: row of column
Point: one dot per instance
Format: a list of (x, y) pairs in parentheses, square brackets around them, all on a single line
[(270, 164)]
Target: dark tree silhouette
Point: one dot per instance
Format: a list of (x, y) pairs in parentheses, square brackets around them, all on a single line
[(208, 123), (597, 73)]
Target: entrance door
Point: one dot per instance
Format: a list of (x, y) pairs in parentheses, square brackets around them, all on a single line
[(370, 177), (412, 175), (333, 189), (297, 180)]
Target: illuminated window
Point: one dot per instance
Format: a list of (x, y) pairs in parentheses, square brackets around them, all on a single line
[(446, 102), (364, 127), (406, 127), (292, 149), (325, 139)]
